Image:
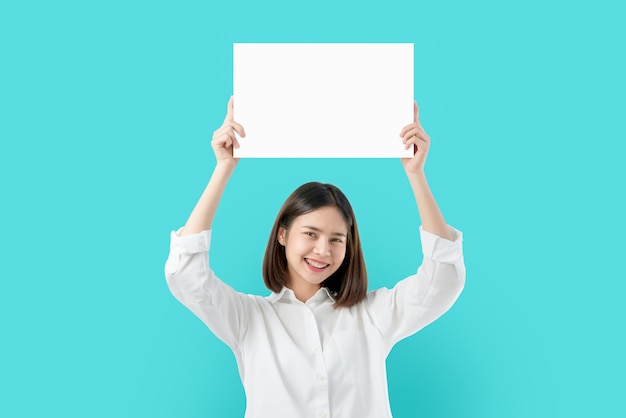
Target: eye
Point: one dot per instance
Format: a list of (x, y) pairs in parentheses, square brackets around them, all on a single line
[(311, 234), (338, 240)]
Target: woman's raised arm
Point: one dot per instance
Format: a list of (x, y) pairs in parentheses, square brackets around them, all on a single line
[(414, 136), (223, 142)]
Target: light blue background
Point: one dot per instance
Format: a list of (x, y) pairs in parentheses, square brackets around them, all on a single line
[(107, 110)]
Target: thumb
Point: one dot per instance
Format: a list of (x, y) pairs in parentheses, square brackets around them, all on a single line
[(416, 112)]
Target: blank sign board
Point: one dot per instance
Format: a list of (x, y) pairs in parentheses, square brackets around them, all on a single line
[(323, 100)]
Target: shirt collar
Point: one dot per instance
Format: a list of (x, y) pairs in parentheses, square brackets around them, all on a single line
[(285, 292), (274, 297), (328, 293)]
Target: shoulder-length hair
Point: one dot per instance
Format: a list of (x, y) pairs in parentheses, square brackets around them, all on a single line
[(348, 284)]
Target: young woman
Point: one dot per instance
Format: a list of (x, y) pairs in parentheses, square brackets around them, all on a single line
[(316, 347)]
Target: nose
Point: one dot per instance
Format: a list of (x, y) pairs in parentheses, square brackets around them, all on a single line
[(322, 248)]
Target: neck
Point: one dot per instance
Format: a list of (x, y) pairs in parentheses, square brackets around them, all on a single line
[(304, 291)]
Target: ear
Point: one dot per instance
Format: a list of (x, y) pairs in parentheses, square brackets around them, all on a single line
[(282, 232)]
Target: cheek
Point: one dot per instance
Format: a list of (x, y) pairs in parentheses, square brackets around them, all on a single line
[(340, 255), (298, 247)]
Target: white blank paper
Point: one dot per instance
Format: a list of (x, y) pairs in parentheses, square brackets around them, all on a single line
[(323, 100)]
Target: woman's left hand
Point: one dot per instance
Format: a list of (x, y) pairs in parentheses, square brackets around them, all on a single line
[(414, 136)]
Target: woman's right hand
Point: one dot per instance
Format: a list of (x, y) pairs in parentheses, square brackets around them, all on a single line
[(224, 139)]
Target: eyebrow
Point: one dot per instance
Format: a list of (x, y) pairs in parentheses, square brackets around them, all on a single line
[(319, 230)]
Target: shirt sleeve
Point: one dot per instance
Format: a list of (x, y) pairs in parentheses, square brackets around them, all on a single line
[(193, 283), (423, 297)]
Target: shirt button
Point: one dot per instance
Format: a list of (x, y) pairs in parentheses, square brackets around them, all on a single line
[(320, 377), (323, 415), (316, 349)]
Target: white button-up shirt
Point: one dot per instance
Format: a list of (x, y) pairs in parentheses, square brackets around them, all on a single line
[(301, 360)]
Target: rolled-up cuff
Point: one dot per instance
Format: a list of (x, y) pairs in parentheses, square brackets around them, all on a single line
[(190, 244), (441, 249)]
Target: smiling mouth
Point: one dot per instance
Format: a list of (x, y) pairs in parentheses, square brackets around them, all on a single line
[(317, 266)]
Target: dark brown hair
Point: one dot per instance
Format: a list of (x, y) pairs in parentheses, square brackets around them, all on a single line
[(348, 284)]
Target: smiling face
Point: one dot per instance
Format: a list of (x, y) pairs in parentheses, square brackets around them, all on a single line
[(315, 247)]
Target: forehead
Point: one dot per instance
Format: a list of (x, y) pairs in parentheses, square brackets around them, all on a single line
[(328, 219)]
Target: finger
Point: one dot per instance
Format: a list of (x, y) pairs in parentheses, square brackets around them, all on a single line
[(237, 126), (221, 130), (410, 128), (231, 136), (416, 131), (406, 128), (416, 112), (230, 111), (236, 143), (222, 136), (419, 131), (418, 142), (411, 142)]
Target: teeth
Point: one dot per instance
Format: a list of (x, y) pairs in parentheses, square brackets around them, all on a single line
[(314, 264)]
